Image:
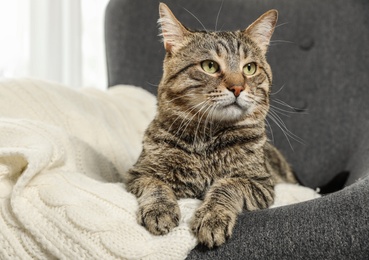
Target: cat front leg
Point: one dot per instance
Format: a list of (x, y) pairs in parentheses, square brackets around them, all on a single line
[(214, 220), (158, 208)]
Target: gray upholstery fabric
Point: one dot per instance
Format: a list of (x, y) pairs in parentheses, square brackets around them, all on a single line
[(299, 232), (320, 55)]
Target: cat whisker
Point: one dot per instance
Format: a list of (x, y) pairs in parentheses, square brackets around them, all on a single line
[(282, 111), (190, 120), (186, 113), (203, 26), (210, 114), (279, 122), (279, 90), (200, 120), (186, 95), (296, 109), (152, 84), (216, 21), (283, 131), (273, 115), (270, 129), (183, 123), (282, 24), (221, 28)]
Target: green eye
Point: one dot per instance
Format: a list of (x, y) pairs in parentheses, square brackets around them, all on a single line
[(210, 66), (250, 69)]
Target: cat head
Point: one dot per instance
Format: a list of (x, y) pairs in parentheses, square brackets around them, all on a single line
[(221, 76)]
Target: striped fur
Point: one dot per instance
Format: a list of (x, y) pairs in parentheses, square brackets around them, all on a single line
[(206, 141)]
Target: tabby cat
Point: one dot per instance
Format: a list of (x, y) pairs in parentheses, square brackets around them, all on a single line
[(208, 138)]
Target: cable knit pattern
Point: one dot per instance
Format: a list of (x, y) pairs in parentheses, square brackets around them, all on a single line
[(61, 152)]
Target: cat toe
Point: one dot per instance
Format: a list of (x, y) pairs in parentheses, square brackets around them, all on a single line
[(212, 229), (159, 219)]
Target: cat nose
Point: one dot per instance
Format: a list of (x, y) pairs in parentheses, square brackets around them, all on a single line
[(236, 90)]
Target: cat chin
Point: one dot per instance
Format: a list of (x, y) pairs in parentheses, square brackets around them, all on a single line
[(231, 113)]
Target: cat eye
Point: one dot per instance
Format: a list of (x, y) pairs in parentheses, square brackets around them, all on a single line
[(210, 66), (249, 69)]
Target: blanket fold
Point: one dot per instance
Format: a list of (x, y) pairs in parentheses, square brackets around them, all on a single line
[(49, 208)]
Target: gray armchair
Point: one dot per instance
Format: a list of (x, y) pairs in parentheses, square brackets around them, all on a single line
[(320, 60)]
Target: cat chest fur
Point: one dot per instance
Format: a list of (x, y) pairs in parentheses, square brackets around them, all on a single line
[(190, 170)]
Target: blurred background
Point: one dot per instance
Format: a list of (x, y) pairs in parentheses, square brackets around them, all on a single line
[(58, 40)]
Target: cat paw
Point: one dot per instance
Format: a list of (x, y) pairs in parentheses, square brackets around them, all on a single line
[(159, 218), (212, 227)]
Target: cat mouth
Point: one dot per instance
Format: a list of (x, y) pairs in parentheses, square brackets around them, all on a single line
[(238, 103), (235, 105), (239, 107)]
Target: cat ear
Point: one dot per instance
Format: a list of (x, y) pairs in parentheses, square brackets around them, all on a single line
[(172, 30), (262, 29)]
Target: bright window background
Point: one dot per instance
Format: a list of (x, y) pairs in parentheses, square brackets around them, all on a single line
[(93, 45), (57, 40)]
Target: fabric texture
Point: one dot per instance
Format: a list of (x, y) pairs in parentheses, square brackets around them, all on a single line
[(332, 227), (62, 153)]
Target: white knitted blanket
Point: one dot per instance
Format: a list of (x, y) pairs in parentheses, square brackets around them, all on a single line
[(60, 154)]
